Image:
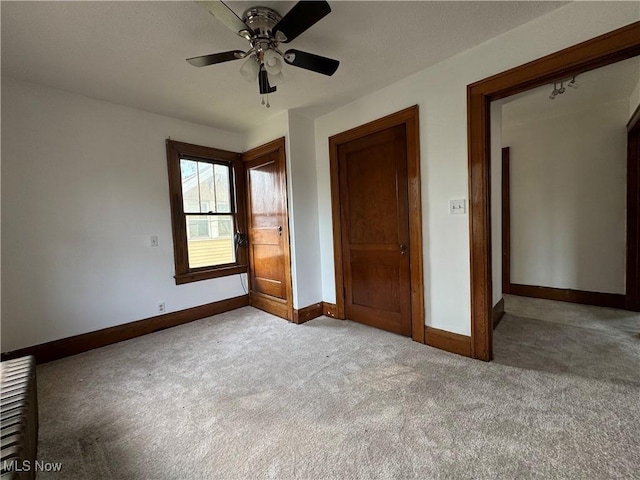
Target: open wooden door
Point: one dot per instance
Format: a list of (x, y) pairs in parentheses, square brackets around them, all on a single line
[(268, 227)]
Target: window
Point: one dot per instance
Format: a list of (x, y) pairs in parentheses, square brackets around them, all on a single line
[(206, 191)]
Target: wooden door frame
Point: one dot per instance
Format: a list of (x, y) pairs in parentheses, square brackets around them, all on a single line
[(409, 118), (609, 48), (265, 302)]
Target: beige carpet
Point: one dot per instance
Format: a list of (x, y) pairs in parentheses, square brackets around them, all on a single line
[(247, 395)]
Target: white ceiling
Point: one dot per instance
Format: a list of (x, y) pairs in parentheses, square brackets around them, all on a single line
[(611, 83), (133, 53)]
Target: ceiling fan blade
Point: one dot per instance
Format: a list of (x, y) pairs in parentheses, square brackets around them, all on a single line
[(302, 16), (205, 60), (309, 61), (221, 12)]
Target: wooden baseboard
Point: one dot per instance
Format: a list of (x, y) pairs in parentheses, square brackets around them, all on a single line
[(307, 313), (329, 309), (497, 312), (65, 347), (448, 341), (609, 300)]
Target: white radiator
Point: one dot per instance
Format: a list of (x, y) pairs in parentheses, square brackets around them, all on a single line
[(18, 419)]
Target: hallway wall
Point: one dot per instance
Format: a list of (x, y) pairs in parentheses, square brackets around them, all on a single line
[(568, 198)]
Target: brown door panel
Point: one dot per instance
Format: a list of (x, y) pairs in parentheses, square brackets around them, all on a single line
[(269, 275), (373, 210), (268, 287), (374, 215), (375, 285), (268, 269), (382, 254), (374, 318), (265, 236)]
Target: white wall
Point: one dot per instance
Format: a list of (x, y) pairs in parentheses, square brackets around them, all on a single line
[(568, 198), (84, 185), (304, 201), (440, 92), (496, 200), (276, 127)]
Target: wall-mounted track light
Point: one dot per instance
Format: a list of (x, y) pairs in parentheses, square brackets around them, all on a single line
[(559, 91)]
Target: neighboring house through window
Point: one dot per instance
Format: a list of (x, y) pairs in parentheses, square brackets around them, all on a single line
[(206, 211)]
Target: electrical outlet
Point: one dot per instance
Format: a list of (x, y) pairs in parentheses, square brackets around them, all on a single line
[(457, 207), (154, 240), (161, 307)]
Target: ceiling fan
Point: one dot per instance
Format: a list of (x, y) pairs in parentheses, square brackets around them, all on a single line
[(265, 29)]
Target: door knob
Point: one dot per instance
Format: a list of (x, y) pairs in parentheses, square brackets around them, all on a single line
[(280, 230), (403, 249)]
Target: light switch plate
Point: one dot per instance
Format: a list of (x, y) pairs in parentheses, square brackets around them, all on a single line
[(457, 207)]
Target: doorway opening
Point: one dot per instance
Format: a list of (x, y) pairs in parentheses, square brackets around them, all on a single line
[(564, 183), (615, 46), (564, 215)]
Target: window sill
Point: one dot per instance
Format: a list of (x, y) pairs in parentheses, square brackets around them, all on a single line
[(207, 274)]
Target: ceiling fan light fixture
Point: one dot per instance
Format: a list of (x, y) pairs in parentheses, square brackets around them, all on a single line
[(275, 80), (250, 68), (272, 62)]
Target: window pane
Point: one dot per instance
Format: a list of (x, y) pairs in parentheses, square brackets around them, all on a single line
[(190, 189), (210, 240), (205, 187), (223, 190)]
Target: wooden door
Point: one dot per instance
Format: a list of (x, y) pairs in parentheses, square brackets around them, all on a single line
[(267, 223), (506, 220), (374, 215)]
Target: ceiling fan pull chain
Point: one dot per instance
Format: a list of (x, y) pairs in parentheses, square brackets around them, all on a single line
[(268, 105), (262, 100)]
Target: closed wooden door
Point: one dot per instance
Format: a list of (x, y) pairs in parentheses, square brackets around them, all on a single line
[(269, 259), (375, 230)]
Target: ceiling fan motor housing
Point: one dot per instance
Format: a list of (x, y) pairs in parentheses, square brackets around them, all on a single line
[(262, 20)]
